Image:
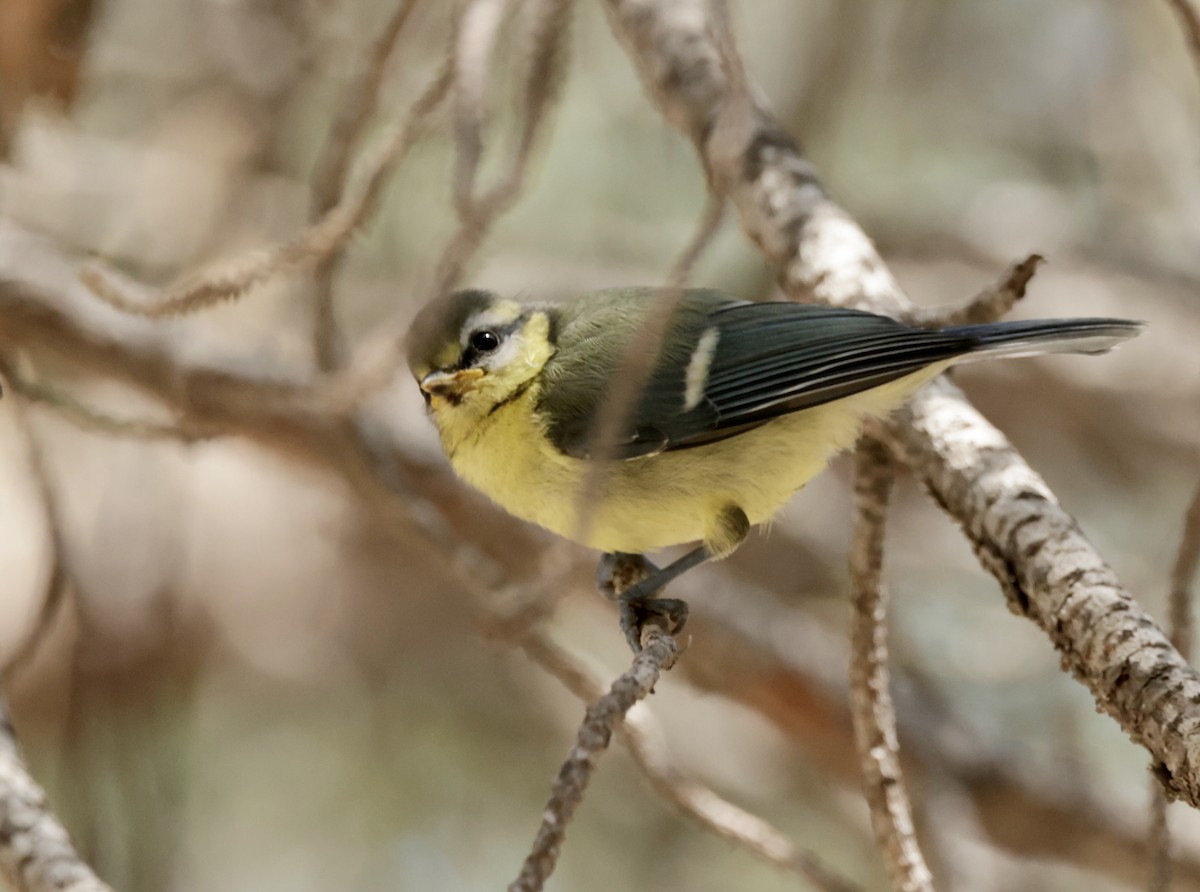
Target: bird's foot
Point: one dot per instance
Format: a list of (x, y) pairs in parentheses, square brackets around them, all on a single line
[(618, 572), (633, 582), (669, 614)]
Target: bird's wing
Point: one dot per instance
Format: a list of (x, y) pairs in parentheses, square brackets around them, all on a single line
[(733, 365)]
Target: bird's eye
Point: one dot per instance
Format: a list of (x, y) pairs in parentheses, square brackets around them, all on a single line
[(485, 341)]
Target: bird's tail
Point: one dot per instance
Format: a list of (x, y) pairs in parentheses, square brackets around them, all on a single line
[(1039, 336)]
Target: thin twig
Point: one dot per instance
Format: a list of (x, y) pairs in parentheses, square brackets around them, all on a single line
[(642, 737), (989, 305), (1180, 619), (231, 279), (659, 652), (329, 177), (1180, 627), (546, 44), (358, 105), (1159, 840), (871, 701), (1189, 18), (546, 40), (89, 419), (477, 31)]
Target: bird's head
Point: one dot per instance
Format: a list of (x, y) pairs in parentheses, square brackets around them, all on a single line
[(470, 351)]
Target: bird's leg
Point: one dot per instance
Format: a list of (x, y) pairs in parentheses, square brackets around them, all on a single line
[(632, 581)]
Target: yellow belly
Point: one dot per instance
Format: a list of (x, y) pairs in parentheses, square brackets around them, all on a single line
[(671, 498)]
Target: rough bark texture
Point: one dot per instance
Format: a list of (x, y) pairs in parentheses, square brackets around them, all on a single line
[(1049, 571)]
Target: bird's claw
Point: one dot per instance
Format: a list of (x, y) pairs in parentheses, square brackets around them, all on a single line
[(618, 572), (633, 582), (669, 614)]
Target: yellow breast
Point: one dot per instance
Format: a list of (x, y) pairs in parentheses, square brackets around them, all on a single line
[(660, 500)]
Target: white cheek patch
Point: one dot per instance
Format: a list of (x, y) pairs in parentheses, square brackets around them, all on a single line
[(696, 377), (509, 353)]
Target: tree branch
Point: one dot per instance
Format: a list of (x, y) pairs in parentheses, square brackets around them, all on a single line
[(332, 170), (232, 278), (1049, 571), (701, 804), (871, 700), (89, 419), (990, 304), (659, 652)]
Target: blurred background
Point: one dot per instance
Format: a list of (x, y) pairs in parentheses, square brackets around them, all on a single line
[(261, 681)]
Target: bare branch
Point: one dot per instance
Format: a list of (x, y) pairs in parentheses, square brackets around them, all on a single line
[(359, 102), (778, 662), (547, 50), (659, 652), (232, 278), (477, 30), (36, 853), (1159, 839), (642, 737), (1181, 620), (1045, 565), (989, 305), (546, 38), (89, 419), (329, 177), (871, 701)]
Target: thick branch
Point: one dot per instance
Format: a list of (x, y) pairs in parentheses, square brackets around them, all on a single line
[(1049, 570)]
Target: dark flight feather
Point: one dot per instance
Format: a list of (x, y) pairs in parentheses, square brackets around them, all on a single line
[(770, 359)]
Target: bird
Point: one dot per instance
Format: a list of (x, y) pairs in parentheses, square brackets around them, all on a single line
[(744, 403)]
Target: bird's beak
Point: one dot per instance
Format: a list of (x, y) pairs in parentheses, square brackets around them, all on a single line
[(451, 384)]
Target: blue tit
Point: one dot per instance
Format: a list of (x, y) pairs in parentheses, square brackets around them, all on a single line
[(745, 403)]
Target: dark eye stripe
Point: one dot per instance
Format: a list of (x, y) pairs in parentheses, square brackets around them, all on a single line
[(471, 353)]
